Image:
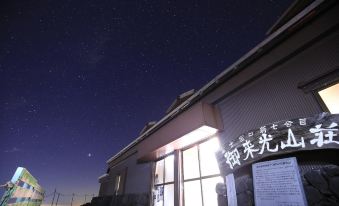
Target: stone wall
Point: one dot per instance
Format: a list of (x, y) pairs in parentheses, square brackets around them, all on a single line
[(321, 186)]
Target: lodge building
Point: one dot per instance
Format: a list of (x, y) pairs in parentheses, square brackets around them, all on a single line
[(276, 107)]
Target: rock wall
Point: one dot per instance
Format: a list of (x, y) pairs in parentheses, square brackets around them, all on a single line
[(321, 186)]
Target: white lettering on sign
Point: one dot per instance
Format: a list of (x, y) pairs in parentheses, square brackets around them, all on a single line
[(322, 136), (248, 149), (319, 133), (232, 158), (292, 142), (264, 140)]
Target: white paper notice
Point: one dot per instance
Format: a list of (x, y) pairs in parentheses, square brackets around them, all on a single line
[(278, 182)]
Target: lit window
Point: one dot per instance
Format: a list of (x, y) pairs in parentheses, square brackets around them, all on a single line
[(201, 174), (330, 97), (191, 163), (208, 190), (159, 172), (117, 184), (193, 193), (208, 162), (163, 191)]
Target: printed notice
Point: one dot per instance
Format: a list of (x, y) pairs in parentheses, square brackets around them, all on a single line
[(278, 182)]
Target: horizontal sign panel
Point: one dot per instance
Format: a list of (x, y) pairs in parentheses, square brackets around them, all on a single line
[(318, 132)]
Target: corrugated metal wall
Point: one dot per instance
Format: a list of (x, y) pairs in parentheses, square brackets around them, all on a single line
[(275, 96)]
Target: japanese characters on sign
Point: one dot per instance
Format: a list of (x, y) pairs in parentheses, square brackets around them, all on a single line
[(317, 132)]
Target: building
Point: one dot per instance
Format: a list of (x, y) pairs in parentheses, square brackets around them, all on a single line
[(268, 105), (22, 189)]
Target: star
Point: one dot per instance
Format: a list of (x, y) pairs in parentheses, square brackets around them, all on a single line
[(89, 155)]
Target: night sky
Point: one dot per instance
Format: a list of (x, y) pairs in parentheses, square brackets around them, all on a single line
[(79, 79)]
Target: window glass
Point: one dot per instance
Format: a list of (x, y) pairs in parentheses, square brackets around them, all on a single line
[(158, 196), (169, 168), (117, 184), (208, 161), (191, 163), (208, 189), (330, 97), (159, 172), (169, 195), (192, 193)]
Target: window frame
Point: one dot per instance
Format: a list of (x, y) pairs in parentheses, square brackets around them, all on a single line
[(319, 83), (320, 99), (179, 198), (200, 178), (164, 177)]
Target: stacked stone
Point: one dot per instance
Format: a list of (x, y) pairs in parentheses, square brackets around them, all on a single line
[(244, 189), (322, 186)]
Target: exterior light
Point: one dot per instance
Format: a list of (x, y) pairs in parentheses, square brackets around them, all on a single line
[(197, 135)]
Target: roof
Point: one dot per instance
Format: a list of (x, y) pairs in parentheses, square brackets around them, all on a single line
[(180, 99), (147, 126), (296, 7)]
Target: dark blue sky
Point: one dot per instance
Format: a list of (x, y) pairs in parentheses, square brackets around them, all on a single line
[(80, 77)]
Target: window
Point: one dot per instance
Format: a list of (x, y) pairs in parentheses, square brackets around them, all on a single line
[(201, 174), (330, 97), (163, 191), (325, 88), (117, 184)]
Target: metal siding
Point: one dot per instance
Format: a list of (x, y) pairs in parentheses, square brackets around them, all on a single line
[(275, 96)]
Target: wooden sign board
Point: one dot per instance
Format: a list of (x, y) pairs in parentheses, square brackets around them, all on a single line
[(282, 137)]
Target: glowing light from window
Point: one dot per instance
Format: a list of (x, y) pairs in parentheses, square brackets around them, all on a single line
[(169, 169), (208, 189), (192, 193), (191, 163), (159, 172), (330, 96), (197, 135), (169, 195), (208, 161)]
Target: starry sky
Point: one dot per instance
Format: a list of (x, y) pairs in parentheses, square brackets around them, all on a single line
[(79, 79)]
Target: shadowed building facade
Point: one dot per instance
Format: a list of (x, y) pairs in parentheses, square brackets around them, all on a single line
[(268, 105)]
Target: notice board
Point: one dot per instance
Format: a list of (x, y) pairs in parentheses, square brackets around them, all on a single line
[(278, 182)]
